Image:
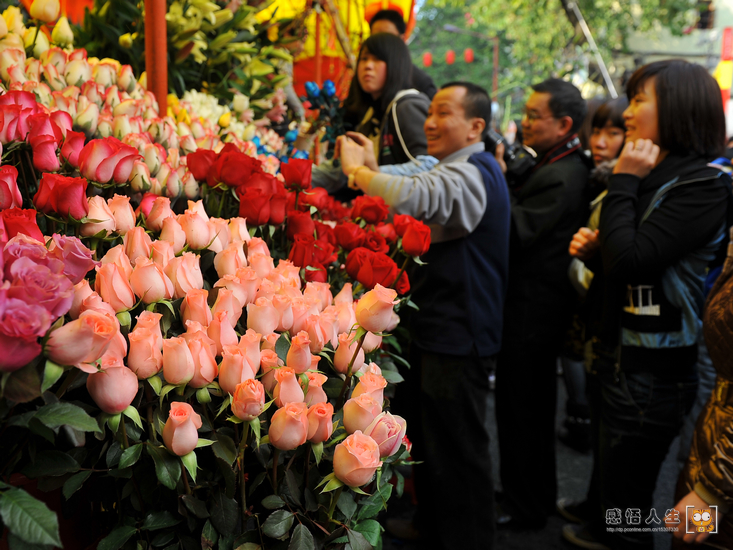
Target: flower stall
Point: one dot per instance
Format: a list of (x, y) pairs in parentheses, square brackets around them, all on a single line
[(196, 346)]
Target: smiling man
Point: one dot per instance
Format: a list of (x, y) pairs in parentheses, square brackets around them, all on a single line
[(457, 333)]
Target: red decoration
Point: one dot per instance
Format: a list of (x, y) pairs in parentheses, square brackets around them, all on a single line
[(468, 55), (427, 59), (450, 57)]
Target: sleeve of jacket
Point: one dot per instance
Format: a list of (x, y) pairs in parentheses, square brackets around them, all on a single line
[(688, 217), (412, 110), (452, 195)]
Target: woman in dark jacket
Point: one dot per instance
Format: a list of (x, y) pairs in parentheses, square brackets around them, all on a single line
[(663, 221)]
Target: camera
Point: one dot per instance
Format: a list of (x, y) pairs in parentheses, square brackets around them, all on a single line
[(518, 158)]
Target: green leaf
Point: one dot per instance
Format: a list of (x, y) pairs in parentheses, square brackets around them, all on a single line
[(156, 383), (130, 455), (161, 539), (375, 503), (392, 376), (131, 413), (225, 405), (317, 451), (29, 518), (113, 421), (117, 538), (399, 359), (51, 374), (225, 449), (204, 442), (346, 504), (51, 463), (224, 512), (371, 531), (66, 414), (16, 543), (302, 539), (203, 396), (167, 467), (293, 487), (195, 506), (357, 540), (273, 502), (165, 391), (282, 346), (159, 520), (191, 463), (278, 524), (23, 385), (332, 485), (255, 426), (209, 536), (74, 483)]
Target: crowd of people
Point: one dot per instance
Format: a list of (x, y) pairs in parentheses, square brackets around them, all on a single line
[(603, 253)]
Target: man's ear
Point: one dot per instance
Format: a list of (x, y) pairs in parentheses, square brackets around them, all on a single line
[(566, 125), (478, 125)]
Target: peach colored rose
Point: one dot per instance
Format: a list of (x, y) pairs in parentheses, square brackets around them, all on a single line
[(302, 309), (270, 341), (145, 358), (221, 332), (263, 265), (162, 253), (289, 426), (322, 291), (235, 369), (225, 301), (371, 342), (262, 316), (374, 309), (345, 316), (95, 303), (372, 384), (195, 307), (173, 233), (250, 343), (219, 236), (388, 431), (315, 388), (360, 411), (114, 355), (320, 422), (231, 282), (269, 362), (116, 255), (238, 230), (104, 219), (137, 243), (113, 389), (82, 341), (257, 246), (287, 389), (318, 333), (299, 354), (81, 291), (268, 288), (345, 296), (248, 400), (158, 213), (249, 281), (198, 207), (205, 367), (283, 304), (178, 365), (151, 321), (289, 272), (198, 234), (195, 330), (356, 459), (185, 274), (149, 282), (344, 352), (180, 433), (230, 259), (122, 212)]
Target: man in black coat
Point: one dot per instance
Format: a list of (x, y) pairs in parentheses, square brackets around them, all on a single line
[(548, 205)]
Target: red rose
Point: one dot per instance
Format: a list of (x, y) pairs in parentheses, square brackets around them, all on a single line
[(297, 173), (325, 252), (73, 144), (316, 273), (358, 259), (370, 209), (304, 247), (300, 223), (387, 231), (277, 208), (10, 196), (403, 285), (15, 97), (254, 205), (17, 220), (349, 235), (44, 153), (375, 242), (370, 268), (62, 195), (200, 161), (384, 270), (317, 197), (402, 222), (416, 240), (325, 232), (234, 168)]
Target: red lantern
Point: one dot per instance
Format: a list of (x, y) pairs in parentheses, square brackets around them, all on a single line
[(468, 55), (450, 57), (427, 59)]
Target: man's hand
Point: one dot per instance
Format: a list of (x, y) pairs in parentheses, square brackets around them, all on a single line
[(585, 244), (637, 158), (351, 154), (499, 156), (694, 500), (369, 160)]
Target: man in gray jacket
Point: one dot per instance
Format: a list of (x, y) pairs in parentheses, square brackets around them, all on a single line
[(457, 332)]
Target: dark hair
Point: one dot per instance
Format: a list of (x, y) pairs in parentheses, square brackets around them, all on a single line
[(393, 51), (393, 16), (689, 106), (476, 103), (612, 110), (565, 100)]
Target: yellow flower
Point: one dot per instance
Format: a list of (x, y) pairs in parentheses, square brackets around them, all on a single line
[(41, 43), (225, 119), (45, 10), (125, 40), (62, 34), (272, 33), (14, 20)]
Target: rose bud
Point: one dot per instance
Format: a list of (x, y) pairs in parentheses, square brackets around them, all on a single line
[(248, 400), (321, 292), (283, 304), (416, 240), (137, 243), (116, 255), (99, 211), (344, 353), (162, 254), (158, 213), (122, 212), (180, 433), (360, 411), (205, 367), (225, 301), (144, 358), (356, 459), (221, 332), (77, 258), (374, 309), (387, 431), (235, 369), (315, 393), (114, 288), (299, 354), (371, 342), (174, 234), (81, 291), (149, 282), (269, 363), (198, 233), (185, 274), (373, 385), (195, 307), (178, 365), (250, 343), (320, 422), (262, 265), (82, 341), (262, 316), (287, 389), (230, 259), (113, 389), (151, 321), (289, 427)]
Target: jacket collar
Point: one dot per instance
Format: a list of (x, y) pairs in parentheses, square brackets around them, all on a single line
[(465, 152)]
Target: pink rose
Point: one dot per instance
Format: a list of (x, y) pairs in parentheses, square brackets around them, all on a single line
[(302, 309), (73, 144), (103, 218), (373, 385), (320, 330), (198, 234), (225, 301), (195, 330), (360, 411), (345, 296), (178, 365), (116, 255), (195, 307), (345, 316), (82, 341), (235, 369), (374, 309), (149, 282), (262, 265), (10, 196), (283, 304), (371, 342), (185, 274), (250, 343), (137, 243), (158, 213), (299, 354), (21, 324), (180, 433), (162, 253), (221, 332), (107, 159), (248, 400), (122, 213), (315, 388), (145, 358), (345, 352), (320, 422), (173, 233), (231, 282), (204, 363), (151, 321), (44, 153), (113, 389), (238, 230), (388, 432), (82, 290), (269, 362), (250, 282), (321, 291), (37, 284), (230, 259), (287, 389), (94, 302), (289, 426), (356, 459), (114, 288), (77, 258), (262, 316)]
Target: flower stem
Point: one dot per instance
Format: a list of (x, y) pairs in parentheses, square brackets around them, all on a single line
[(125, 442), (307, 466), (275, 458), (221, 205), (402, 270), (242, 474), (73, 373), (347, 380), (334, 499), (151, 426)]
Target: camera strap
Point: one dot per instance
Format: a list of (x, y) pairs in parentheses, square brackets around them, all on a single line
[(560, 151)]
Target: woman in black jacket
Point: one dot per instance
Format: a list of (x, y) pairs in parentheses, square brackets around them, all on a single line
[(663, 221)]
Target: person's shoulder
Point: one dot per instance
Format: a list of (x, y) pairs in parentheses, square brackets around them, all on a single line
[(422, 81), (570, 167)]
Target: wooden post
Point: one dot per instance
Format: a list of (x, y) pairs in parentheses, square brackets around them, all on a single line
[(156, 52)]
